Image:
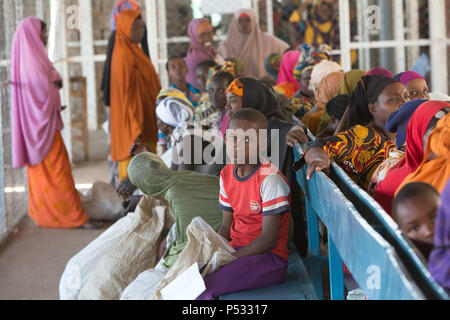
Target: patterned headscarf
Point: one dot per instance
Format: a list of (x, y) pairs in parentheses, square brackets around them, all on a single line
[(309, 57), (236, 88), (228, 66)]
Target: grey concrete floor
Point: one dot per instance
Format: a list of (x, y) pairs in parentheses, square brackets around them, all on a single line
[(33, 260)]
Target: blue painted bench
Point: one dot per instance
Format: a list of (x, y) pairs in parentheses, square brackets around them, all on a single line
[(298, 285)]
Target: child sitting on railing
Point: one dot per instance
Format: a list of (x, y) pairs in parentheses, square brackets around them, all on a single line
[(415, 208), (255, 199)]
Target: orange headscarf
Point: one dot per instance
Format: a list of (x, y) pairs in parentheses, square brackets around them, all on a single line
[(134, 88), (437, 171)]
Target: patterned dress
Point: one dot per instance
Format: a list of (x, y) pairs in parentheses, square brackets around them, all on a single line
[(300, 104), (359, 151)]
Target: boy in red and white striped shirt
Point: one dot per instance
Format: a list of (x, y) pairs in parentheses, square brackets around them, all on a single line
[(255, 198)]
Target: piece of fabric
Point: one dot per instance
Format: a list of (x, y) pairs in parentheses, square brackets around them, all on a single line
[(205, 247), (35, 99), (236, 87), (350, 81), (263, 193), (308, 59), (379, 71), (53, 201), (407, 76), (269, 62), (398, 121), (286, 88), (149, 174), (247, 273), (135, 252), (395, 156), (251, 48), (134, 88), (300, 104), (436, 171), (193, 95), (414, 155), (358, 151), (439, 263), (336, 107), (327, 90), (196, 53), (122, 5), (101, 202), (173, 108), (122, 165), (287, 66), (258, 95), (321, 71)]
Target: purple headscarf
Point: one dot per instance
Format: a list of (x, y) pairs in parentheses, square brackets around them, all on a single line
[(36, 103), (196, 53), (407, 76), (377, 71), (439, 264)]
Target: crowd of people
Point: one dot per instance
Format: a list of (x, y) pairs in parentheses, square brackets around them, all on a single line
[(388, 132)]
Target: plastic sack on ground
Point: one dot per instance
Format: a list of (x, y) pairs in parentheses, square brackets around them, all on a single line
[(206, 247), (102, 203), (145, 284), (135, 252)]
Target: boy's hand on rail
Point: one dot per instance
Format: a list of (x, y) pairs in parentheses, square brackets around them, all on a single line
[(296, 135)]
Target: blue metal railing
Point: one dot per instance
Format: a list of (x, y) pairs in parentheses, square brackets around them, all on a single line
[(374, 262)]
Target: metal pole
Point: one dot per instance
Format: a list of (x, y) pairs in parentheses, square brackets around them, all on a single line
[(412, 12), (438, 49), (344, 25), (162, 27), (88, 65), (269, 14), (386, 54), (399, 35), (152, 31)]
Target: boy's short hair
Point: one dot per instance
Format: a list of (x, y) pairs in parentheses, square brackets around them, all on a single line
[(251, 115), (411, 191), (223, 75), (173, 58), (206, 64)]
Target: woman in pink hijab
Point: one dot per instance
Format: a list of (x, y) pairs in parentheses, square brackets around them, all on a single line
[(201, 48), (36, 139), (247, 42)]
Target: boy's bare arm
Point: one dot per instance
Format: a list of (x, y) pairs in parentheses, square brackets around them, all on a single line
[(266, 241), (226, 225)]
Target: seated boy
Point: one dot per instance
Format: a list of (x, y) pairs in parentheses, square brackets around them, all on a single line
[(177, 69), (415, 209), (255, 199)]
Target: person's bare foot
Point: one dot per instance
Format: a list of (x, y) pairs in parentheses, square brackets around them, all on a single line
[(92, 225)]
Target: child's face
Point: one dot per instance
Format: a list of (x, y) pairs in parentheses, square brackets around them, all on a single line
[(416, 217), (244, 142), (177, 69), (234, 103), (201, 74), (217, 95)]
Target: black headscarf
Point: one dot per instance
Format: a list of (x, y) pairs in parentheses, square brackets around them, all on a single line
[(258, 95), (336, 106), (367, 92)]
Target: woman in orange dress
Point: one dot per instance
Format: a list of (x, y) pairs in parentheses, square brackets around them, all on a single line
[(36, 139)]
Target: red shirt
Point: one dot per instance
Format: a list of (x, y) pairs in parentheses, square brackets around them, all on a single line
[(265, 192)]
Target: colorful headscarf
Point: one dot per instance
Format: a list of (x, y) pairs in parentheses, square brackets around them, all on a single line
[(228, 66), (309, 57), (437, 171), (439, 264), (268, 63), (122, 5), (379, 71), (236, 88), (287, 66), (407, 76)]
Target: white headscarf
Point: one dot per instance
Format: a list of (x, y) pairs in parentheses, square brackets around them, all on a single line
[(321, 71)]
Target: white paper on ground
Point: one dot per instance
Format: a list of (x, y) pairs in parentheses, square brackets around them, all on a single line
[(187, 286)]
